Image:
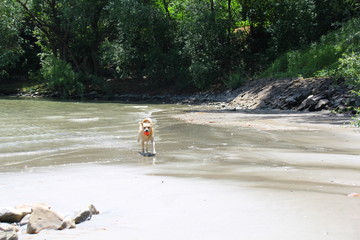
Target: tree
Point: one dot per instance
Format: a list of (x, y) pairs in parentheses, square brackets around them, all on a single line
[(70, 30), (143, 46), (10, 41)]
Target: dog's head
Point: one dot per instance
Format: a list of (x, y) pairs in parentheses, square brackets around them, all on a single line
[(147, 128)]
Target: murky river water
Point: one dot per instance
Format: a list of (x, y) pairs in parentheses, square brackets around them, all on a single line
[(37, 133)]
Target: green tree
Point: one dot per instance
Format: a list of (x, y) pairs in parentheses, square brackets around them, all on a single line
[(143, 46), (10, 41), (70, 31)]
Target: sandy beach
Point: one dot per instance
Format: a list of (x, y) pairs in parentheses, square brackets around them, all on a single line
[(135, 205)]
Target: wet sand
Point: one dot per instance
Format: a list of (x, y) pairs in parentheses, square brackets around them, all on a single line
[(270, 120), (136, 205)]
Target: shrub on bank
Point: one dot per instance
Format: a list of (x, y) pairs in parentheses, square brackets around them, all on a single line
[(321, 58), (60, 77), (349, 69)]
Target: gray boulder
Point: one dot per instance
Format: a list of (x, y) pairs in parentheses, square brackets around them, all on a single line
[(43, 218), (321, 104), (310, 103)]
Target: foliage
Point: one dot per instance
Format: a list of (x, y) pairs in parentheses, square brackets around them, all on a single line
[(236, 78), (143, 46), (173, 42), (356, 119), (292, 24), (320, 58), (10, 41), (60, 77), (202, 39), (350, 69)]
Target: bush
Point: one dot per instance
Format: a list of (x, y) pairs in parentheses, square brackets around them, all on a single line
[(321, 58), (349, 68), (236, 78), (60, 77)]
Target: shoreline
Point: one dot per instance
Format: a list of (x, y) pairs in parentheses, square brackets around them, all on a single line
[(297, 94)]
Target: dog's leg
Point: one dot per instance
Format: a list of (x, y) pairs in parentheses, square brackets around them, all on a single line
[(153, 146), (147, 146), (143, 147)]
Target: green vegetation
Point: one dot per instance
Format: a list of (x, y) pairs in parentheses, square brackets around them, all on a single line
[(349, 68), (322, 58), (74, 47)]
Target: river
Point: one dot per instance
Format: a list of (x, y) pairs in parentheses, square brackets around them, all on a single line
[(224, 182)]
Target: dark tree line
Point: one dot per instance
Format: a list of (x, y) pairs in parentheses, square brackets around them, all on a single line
[(72, 45)]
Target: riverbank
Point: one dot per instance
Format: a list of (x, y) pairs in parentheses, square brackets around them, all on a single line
[(299, 94)]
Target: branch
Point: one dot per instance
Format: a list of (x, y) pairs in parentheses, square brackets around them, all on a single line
[(37, 21)]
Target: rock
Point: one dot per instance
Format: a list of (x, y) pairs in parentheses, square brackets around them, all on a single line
[(321, 104), (9, 236), (5, 227), (291, 101), (86, 214), (308, 104), (43, 218), (9, 232), (83, 216), (93, 210), (68, 222), (11, 215), (337, 102), (25, 220)]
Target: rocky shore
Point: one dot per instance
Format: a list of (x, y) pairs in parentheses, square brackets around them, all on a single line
[(300, 94), (33, 218)]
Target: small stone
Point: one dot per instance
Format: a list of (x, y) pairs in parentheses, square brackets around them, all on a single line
[(68, 222), (83, 216), (6, 227), (93, 210), (9, 236)]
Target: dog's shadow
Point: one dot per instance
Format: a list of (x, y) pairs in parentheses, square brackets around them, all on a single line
[(147, 154)]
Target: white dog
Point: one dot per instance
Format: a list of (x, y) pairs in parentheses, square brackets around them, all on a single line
[(146, 134)]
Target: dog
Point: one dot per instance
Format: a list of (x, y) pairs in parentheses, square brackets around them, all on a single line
[(146, 134)]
